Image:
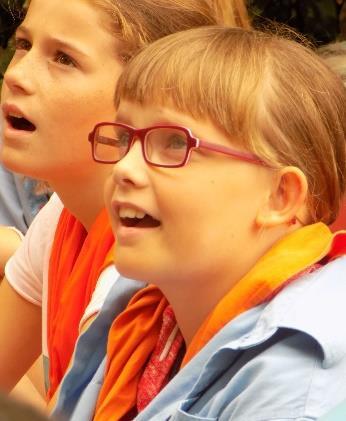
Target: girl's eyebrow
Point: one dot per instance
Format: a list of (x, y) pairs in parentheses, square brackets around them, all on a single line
[(163, 122), (60, 43), (22, 28), (121, 119), (65, 45)]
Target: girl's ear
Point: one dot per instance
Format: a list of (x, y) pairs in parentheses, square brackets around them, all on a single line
[(287, 199)]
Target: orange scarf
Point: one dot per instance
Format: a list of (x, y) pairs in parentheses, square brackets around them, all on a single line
[(296, 252), (76, 261), (134, 333)]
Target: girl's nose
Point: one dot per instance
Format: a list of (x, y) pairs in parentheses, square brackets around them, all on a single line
[(18, 76), (132, 168)]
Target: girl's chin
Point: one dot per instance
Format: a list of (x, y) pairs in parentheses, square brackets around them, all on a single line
[(130, 269), (18, 164), (12, 161)]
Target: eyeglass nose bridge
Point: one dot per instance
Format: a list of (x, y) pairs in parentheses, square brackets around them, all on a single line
[(138, 135)]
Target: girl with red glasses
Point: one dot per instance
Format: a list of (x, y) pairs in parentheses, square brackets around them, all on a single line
[(229, 163)]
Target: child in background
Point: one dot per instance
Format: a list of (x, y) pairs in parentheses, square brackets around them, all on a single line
[(229, 162)]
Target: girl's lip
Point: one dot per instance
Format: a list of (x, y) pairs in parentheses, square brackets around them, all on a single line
[(10, 111), (10, 132), (130, 235), (13, 110), (117, 204)]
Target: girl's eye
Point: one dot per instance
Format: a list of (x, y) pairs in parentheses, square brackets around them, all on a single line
[(176, 142), (64, 59), (22, 44), (123, 140)]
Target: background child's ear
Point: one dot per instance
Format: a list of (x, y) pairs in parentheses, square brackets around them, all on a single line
[(287, 199)]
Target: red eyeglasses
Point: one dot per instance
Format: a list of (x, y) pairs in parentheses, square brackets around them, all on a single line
[(162, 146)]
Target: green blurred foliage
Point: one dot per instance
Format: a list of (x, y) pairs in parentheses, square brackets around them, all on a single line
[(5, 57), (320, 20), (10, 16)]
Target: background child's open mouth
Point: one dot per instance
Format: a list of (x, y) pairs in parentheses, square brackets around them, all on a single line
[(21, 123)]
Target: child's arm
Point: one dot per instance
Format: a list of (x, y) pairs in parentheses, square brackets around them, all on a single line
[(10, 239), (20, 335)]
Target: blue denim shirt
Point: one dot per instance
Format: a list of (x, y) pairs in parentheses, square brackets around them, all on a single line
[(82, 382), (336, 414), (280, 361)]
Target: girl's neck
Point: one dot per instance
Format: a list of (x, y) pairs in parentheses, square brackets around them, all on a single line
[(194, 298), (83, 199), (191, 312)]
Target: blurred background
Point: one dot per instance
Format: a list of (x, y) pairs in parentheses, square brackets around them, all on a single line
[(322, 21)]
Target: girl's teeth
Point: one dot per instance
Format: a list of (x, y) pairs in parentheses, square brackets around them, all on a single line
[(131, 213)]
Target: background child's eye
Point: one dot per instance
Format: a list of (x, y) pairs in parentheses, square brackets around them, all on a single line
[(64, 59), (22, 44)]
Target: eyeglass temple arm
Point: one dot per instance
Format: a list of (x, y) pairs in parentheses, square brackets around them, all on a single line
[(244, 156), (104, 140)]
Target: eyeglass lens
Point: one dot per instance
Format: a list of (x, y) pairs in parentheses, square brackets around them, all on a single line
[(163, 146)]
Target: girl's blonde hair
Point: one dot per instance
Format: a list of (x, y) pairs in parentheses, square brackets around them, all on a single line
[(267, 93), (142, 22)]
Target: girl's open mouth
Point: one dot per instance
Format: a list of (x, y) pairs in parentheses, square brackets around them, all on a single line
[(146, 222), (20, 123)]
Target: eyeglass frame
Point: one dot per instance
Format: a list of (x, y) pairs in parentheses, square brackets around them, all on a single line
[(192, 144)]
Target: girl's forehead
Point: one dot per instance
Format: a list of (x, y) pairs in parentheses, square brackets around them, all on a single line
[(75, 17), (79, 23), (149, 114)]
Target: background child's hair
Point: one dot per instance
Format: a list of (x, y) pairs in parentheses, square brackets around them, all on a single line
[(272, 95), (141, 22), (335, 56)]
